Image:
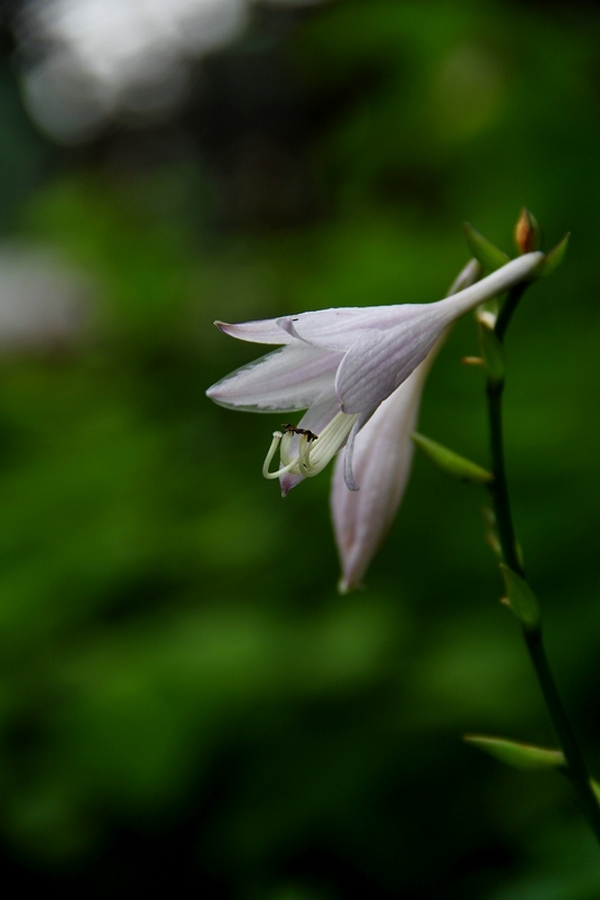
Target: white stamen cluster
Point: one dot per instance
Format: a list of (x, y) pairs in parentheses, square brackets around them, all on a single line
[(307, 454)]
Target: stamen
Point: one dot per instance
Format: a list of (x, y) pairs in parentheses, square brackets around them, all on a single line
[(318, 453), (277, 435), (313, 452)]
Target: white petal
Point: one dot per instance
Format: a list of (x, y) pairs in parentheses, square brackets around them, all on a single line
[(261, 331), (467, 276), (349, 457), (382, 458), (384, 451), (380, 361), (501, 280), (289, 481), (334, 329), (339, 329), (318, 417), (294, 377)]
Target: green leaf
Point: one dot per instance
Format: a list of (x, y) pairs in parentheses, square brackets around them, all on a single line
[(450, 462), (487, 253), (520, 599), (520, 756), (552, 259)]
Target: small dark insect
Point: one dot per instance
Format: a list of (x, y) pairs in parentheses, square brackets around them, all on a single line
[(293, 430)]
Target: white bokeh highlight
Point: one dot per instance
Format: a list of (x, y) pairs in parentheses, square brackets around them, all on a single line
[(87, 61)]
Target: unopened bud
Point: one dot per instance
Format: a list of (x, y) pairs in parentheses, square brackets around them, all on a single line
[(528, 235)]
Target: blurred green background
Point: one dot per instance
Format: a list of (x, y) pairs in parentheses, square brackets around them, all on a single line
[(185, 701)]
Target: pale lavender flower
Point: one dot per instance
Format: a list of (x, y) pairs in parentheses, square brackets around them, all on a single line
[(340, 365), (383, 454)]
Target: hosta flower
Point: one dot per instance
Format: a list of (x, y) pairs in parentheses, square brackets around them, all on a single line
[(383, 453), (340, 365)]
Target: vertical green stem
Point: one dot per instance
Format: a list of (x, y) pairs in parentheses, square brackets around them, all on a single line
[(499, 486), (576, 767)]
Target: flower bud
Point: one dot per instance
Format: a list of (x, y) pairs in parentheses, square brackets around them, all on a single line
[(528, 235)]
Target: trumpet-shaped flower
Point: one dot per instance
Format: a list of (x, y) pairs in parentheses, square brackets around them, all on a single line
[(383, 454), (340, 365)]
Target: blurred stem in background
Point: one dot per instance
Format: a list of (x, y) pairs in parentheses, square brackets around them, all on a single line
[(531, 625)]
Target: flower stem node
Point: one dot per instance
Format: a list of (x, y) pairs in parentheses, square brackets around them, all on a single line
[(521, 600), (450, 462), (492, 352), (492, 538), (517, 755), (490, 256), (528, 234)]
